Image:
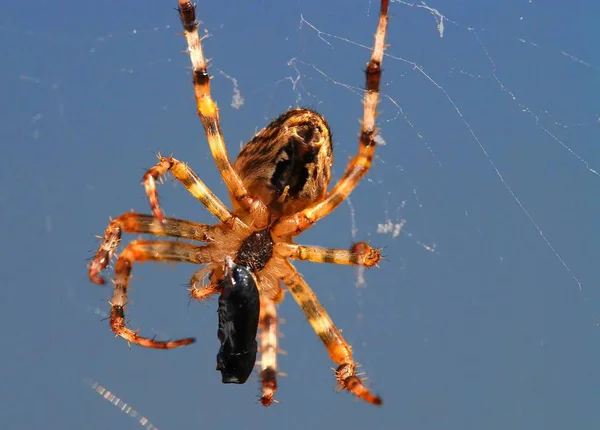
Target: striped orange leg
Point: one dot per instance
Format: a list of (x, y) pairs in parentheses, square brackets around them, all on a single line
[(339, 351), (268, 349), (209, 115), (361, 254), (142, 251), (295, 224), (138, 223), (193, 184), (201, 290)]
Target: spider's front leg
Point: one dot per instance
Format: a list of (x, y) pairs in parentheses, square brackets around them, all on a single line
[(138, 223), (142, 251), (338, 349), (295, 224), (209, 115)]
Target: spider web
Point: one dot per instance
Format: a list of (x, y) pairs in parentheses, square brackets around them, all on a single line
[(483, 196)]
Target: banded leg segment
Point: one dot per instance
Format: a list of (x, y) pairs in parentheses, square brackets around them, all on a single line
[(295, 224), (339, 350), (142, 251), (209, 115), (361, 254), (268, 329), (193, 184), (144, 224)]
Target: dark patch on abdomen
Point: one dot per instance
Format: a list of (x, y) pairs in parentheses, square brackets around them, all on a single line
[(293, 171)]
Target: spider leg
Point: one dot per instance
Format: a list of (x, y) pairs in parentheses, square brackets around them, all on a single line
[(142, 251), (361, 254), (268, 349), (339, 351), (295, 224), (138, 223), (209, 115), (193, 184), (199, 290)]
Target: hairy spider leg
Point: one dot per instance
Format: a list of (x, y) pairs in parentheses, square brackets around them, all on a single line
[(209, 115), (293, 225), (339, 350), (195, 187), (137, 223), (268, 336), (201, 291), (142, 251), (361, 254)]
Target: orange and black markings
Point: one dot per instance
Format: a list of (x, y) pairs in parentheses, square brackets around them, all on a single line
[(279, 187)]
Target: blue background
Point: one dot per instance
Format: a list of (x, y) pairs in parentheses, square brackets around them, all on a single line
[(485, 312)]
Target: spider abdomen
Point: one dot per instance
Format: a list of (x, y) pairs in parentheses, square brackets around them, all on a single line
[(287, 165)]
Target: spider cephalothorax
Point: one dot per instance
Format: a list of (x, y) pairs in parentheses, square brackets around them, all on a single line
[(278, 186)]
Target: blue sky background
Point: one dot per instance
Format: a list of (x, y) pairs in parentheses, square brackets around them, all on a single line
[(484, 314)]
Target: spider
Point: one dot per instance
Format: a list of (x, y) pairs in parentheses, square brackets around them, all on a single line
[(278, 186)]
